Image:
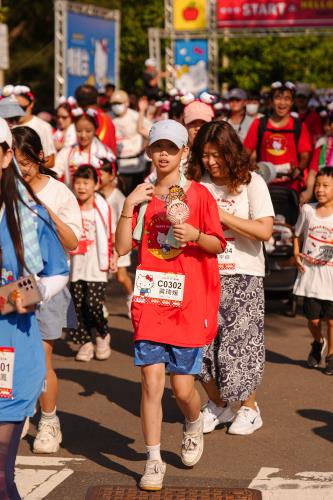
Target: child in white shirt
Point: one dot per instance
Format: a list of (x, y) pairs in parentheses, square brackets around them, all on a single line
[(315, 265)]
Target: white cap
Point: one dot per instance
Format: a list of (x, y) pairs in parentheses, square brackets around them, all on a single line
[(5, 133), (150, 62), (168, 130)]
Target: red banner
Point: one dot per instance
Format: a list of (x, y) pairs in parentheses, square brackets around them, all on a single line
[(274, 13)]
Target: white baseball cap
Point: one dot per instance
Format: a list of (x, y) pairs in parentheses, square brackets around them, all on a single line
[(151, 62), (168, 130), (5, 133)]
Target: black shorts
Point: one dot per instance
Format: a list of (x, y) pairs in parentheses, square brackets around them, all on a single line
[(317, 309)]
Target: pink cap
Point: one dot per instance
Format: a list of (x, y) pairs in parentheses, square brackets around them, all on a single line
[(198, 110)]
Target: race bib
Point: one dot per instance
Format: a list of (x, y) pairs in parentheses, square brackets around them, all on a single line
[(163, 289), (226, 259), (7, 357), (283, 168)]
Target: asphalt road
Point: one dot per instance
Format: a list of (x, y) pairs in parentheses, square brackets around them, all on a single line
[(99, 412)]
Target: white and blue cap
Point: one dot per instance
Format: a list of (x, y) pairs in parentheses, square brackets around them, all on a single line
[(170, 130), (10, 108), (5, 133)]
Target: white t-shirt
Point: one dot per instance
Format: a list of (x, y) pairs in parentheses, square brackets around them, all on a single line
[(60, 199), (242, 255), (44, 130), (243, 127), (86, 266), (317, 232), (129, 142), (116, 203)]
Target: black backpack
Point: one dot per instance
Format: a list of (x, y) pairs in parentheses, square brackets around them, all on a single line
[(263, 122)]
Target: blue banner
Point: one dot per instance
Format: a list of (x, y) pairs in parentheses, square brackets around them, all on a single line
[(191, 64), (91, 51)]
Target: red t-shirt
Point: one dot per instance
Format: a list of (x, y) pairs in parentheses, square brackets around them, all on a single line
[(313, 122), (194, 324), (279, 148), (315, 159), (106, 131)]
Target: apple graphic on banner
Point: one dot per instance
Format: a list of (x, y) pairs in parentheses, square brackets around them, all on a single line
[(190, 13)]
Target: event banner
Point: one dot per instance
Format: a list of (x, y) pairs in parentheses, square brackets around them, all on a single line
[(191, 65), (274, 13), (91, 51), (189, 15)]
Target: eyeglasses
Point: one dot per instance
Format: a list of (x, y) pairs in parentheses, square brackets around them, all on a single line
[(278, 85)]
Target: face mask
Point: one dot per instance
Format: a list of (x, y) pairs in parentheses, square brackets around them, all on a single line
[(252, 109), (118, 109)]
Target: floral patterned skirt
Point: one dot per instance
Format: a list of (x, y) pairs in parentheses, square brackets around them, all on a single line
[(235, 358)]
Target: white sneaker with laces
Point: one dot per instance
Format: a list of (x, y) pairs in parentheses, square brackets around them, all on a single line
[(215, 415), (246, 421), (48, 436), (152, 479), (103, 349), (86, 352), (192, 446)]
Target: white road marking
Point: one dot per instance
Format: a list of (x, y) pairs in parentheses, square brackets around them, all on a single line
[(36, 483), (303, 486)]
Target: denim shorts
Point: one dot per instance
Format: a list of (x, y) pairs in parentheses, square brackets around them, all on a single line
[(179, 360)]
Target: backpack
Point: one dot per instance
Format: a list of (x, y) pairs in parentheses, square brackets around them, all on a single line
[(263, 122)]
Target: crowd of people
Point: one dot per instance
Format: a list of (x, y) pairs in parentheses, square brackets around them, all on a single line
[(175, 179)]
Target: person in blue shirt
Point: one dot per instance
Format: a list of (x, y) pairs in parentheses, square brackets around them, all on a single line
[(21, 352)]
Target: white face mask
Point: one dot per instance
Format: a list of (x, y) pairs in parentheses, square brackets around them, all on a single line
[(118, 109), (252, 109)]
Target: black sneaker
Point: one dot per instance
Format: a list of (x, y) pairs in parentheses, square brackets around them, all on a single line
[(316, 353), (329, 365)]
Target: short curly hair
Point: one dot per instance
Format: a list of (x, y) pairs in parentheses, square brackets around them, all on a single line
[(231, 150)]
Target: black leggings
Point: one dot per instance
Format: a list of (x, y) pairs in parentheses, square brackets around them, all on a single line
[(10, 433)]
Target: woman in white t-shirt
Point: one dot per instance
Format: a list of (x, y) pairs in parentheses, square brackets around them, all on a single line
[(88, 150), (233, 364), (65, 133), (115, 200), (59, 312)]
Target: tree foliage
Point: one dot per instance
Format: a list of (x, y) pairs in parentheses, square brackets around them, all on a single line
[(252, 62)]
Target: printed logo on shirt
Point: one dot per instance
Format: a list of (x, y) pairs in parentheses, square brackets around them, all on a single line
[(6, 276), (319, 246), (158, 229), (276, 144)]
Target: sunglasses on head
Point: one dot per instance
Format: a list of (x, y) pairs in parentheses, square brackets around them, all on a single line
[(286, 85)]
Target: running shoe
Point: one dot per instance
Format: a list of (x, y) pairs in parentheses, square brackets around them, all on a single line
[(192, 445), (152, 479), (48, 437), (215, 415), (316, 354), (329, 365), (246, 421), (103, 349), (86, 352)]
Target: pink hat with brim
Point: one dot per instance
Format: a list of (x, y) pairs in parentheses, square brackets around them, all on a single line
[(198, 110)]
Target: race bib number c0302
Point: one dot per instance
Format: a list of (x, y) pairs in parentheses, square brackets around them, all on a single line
[(7, 357), (163, 289)]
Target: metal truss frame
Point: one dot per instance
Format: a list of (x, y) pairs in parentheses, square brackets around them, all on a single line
[(61, 7)]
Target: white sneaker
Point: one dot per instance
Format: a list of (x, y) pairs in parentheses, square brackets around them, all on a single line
[(103, 349), (86, 352), (25, 428), (48, 436), (129, 304), (192, 445), (152, 479), (215, 415), (246, 421)]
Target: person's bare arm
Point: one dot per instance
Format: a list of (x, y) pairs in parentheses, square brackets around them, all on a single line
[(186, 232), (49, 161), (259, 229), (66, 235)]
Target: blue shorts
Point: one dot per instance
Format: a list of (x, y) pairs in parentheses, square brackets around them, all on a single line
[(180, 360)]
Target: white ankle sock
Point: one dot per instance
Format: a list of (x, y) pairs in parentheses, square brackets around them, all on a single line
[(154, 452), (194, 426), (49, 415)]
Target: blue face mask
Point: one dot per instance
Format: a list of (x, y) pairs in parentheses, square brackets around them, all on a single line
[(118, 109)]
